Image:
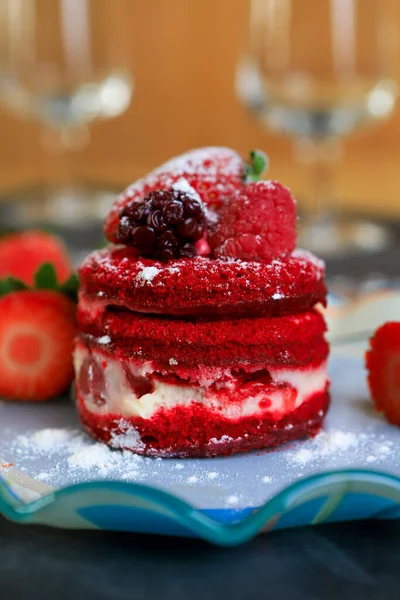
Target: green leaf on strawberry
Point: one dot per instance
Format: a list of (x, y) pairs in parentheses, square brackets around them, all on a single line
[(10, 284), (45, 279), (70, 287), (256, 166)]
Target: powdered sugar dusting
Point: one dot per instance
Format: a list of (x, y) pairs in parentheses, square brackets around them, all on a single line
[(47, 439), (173, 269), (309, 257), (232, 500), (336, 442), (223, 440), (271, 185), (182, 185), (147, 274), (206, 163), (211, 215), (266, 479), (105, 339), (202, 162), (127, 438), (83, 459), (91, 457)]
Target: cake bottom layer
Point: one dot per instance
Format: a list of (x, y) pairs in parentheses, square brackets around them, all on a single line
[(128, 404), (195, 431)]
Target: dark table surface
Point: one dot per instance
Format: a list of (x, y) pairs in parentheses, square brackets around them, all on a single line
[(338, 562)]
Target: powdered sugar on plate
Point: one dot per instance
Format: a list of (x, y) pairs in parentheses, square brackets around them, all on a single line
[(337, 443), (62, 456), (47, 440), (232, 500)]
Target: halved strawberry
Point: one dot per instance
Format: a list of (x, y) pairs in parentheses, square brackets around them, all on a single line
[(383, 365), (22, 253), (37, 329), (215, 173)]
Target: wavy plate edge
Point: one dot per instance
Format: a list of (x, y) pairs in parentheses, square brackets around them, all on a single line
[(113, 505)]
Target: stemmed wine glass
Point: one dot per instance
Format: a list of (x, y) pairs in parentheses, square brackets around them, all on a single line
[(317, 70), (59, 66)]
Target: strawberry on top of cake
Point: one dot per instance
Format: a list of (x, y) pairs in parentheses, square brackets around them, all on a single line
[(199, 332)]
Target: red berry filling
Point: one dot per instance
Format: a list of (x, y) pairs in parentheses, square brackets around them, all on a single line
[(139, 385), (91, 380)]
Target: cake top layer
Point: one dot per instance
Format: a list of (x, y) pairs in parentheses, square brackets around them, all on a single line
[(201, 286), (203, 237)]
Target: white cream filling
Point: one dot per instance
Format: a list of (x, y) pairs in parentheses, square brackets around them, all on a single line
[(121, 400)]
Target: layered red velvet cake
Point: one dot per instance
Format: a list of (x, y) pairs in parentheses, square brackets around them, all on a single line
[(200, 329)]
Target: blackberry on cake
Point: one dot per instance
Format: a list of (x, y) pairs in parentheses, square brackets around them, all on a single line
[(164, 225)]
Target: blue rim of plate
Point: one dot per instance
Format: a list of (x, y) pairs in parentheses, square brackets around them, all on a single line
[(121, 506)]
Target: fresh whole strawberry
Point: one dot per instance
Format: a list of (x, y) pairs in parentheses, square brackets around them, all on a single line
[(259, 223), (383, 365), (21, 255), (214, 173), (37, 329)]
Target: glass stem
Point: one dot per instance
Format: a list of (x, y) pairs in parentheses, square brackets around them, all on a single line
[(60, 145), (321, 157), (320, 213)]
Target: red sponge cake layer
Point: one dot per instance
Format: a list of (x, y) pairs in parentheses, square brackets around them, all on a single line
[(194, 431), (201, 287), (176, 345)]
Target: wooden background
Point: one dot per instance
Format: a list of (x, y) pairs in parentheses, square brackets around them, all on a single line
[(183, 55)]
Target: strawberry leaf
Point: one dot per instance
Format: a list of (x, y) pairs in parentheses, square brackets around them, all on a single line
[(10, 284), (70, 287), (46, 277), (256, 166)]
